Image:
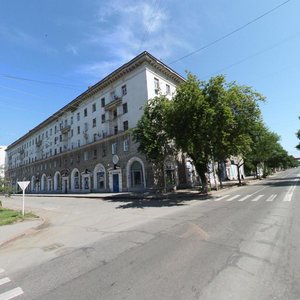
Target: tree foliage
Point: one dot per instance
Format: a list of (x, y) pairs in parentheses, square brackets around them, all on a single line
[(152, 138), (213, 120), (209, 121)]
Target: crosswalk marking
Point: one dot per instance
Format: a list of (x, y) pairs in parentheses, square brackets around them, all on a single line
[(232, 198), (221, 198), (271, 198), (11, 294), (257, 198), (244, 198), (4, 280)]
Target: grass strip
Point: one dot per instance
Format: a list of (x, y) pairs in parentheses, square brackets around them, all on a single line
[(9, 216)]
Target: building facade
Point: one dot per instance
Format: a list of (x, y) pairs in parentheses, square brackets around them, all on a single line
[(2, 161), (86, 146)]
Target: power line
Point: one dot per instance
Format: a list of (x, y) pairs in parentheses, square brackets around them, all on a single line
[(153, 17), (231, 33), (64, 85), (256, 54)]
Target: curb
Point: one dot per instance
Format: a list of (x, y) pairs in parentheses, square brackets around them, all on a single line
[(26, 232)]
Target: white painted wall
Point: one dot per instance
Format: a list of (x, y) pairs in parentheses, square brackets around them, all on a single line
[(2, 160)]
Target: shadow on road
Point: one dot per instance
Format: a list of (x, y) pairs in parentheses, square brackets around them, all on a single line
[(174, 199), (280, 182)]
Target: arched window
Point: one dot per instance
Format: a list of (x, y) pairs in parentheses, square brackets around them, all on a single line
[(137, 178), (76, 180)]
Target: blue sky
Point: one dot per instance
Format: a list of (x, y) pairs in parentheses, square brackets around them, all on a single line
[(51, 51)]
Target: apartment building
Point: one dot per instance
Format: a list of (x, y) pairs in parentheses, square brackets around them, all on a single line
[(86, 146), (2, 161)]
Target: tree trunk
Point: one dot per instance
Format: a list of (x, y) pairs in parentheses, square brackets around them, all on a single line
[(201, 170), (220, 175), (239, 175)]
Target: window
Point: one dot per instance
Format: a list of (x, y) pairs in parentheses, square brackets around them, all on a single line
[(125, 108), (95, 153), (76, 180), (103, 151), (60, 138), (103, 102), (94, 107), (78, 129), (72, 132), (116, 129), (103, 118), (95, 137), (115, 113), (113, 95), (66, 122), (55, 129), (156, 85), (71, 120), (113, 148), (50, 133), (85, 155), (46, 134), (136, 174), (85, 112), (78, 143), (168, 89), (94, 122), (124, 90), (125, 125), (86, 126), (126, 145), (100, 179), (78, 116)]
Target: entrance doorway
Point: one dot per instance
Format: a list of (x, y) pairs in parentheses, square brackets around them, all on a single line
[(116, 187)]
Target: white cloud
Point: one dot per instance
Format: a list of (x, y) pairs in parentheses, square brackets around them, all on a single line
[(124, 28), (72, 49)]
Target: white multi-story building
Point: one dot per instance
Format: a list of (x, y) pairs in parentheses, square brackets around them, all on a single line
[(2, 161), (86, 145)]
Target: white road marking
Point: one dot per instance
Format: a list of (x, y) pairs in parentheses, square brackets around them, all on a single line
[(4, 280), (289, 194), (11, 294), (221, 198), (271, 198), (257, 198), (2, 270), (232, 198), (244, 198)]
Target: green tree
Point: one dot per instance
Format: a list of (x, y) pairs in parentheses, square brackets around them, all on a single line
[(235, 114), (152, 138), (189, 119), (298, 136)]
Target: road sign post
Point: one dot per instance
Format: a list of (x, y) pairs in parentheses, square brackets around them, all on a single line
[(23, 185)]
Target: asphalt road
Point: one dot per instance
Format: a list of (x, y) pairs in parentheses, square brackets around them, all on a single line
[(243, 243)]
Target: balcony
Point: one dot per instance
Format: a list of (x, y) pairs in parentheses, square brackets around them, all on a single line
[(39, 143), (117, 100), (65, 129)]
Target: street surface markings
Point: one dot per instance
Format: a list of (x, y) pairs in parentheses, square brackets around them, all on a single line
[(232, 198), (289, 194), (244, 198), (11, 294), (257, 198), (4, 280), (221, 198), (271, 198)]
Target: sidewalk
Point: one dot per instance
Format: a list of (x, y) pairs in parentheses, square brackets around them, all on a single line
[(13, 231), (16, 230)]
